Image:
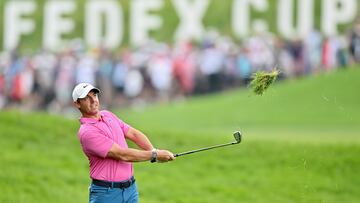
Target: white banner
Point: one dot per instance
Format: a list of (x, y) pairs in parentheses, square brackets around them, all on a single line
[(103, 22)]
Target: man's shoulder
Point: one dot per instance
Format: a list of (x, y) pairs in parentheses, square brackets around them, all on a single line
[(87, 131), (87, 128)]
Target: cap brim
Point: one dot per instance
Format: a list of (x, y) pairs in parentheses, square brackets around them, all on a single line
[(87, 90)]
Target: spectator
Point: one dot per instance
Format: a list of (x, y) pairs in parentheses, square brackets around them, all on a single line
[(120, 73), (134, 83), (312, 51), (5, 61), (86, 69), (211, 66), (243, 66), (140, 73), (355, 41), (329, 55), (44, 70), (296, 50), (184, 68), (160, 71), (106, 69), (64, 80)]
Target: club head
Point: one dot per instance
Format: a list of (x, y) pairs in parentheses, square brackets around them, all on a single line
[(237, 136)]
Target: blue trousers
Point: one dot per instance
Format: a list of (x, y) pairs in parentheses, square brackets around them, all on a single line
[(99, 194)]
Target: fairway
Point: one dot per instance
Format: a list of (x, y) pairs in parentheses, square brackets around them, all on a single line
[(301, 143)]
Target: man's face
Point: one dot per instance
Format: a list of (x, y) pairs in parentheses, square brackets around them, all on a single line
[(89, 106)]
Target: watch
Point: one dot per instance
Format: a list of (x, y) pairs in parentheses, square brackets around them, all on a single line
[(153, 155)]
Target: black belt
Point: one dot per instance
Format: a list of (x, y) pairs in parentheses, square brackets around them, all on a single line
[(122, 184)]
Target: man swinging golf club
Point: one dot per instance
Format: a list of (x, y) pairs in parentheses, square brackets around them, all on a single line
[(102, 136)]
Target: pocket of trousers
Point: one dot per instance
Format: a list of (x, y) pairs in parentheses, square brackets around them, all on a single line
[(94, 189)]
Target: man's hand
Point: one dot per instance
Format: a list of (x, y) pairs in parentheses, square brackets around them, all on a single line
[(164, 156)]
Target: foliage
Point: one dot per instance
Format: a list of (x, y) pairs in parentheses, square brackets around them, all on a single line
[(261, 80)]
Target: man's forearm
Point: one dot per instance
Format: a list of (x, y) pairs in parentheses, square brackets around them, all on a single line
[(135, 155), (128, 154)]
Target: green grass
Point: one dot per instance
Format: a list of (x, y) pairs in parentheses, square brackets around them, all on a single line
[(301, 144)]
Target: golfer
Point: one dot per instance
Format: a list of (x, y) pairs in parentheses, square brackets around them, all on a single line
[(102, 136)]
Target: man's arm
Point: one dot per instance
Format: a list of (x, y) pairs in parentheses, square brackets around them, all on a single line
[(139, 139), (133, 155), (128, 154)]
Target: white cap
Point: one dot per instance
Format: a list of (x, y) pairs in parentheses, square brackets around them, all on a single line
[(81, 90)]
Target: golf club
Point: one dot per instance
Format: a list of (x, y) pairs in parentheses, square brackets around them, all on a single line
[(237, 136)]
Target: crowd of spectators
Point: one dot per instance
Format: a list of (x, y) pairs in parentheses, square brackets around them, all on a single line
[(162, 72)]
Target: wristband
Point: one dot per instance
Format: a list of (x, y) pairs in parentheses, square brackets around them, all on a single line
[(153, 155)]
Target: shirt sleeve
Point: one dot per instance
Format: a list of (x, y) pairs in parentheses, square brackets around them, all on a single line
[(95, 143), (124, 126)]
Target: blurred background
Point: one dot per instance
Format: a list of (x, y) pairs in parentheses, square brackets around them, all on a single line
[(179, 70)]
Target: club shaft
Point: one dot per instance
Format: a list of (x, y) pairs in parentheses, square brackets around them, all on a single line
[(203, 149)]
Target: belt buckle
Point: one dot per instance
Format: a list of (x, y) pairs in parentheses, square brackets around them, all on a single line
[(120, 185)]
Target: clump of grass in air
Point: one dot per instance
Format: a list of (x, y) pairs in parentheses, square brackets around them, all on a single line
[(261, 80)]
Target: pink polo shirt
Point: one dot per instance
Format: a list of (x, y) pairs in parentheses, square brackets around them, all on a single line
[(96, 137)]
